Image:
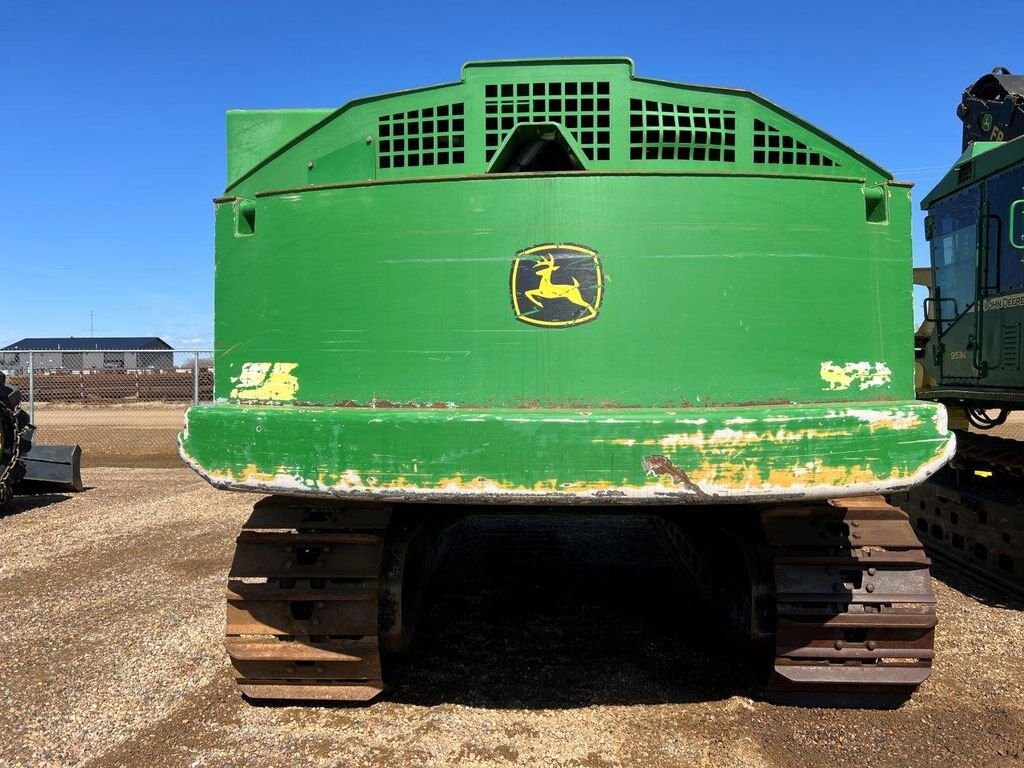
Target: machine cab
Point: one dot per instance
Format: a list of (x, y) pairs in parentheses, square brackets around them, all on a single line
[(975, 228)]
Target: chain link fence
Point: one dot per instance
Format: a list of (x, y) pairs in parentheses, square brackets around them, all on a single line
[(124, 407)]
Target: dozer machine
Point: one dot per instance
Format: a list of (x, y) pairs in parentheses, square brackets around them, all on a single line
[(970, 342), (554, 285), (26, 466)]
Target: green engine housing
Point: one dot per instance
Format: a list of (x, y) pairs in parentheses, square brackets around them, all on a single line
[(554, 281)]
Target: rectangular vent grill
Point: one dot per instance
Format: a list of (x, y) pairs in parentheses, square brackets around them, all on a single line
[(662, 131), (772, 147), (1011, 347), (965, 172), (583, 108), (428, 136)]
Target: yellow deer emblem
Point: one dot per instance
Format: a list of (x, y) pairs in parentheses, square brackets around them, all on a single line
[(547, 289), (539, 297)]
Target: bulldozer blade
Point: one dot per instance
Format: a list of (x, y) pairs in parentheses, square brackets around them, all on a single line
[(51, 468)]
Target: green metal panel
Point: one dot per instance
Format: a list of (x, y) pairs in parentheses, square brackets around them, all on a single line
[(716, 292), (255, 133), (410, 328)]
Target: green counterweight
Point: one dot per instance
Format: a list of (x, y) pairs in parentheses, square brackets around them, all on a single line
[(553, 281)]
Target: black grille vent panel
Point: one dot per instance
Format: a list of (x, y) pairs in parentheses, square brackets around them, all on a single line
[(1011, 347), (965, 172)]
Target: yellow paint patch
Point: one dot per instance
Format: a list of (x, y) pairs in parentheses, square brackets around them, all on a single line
[(252, 474), (266, 382), (888, 420), (753, 479), (865, 375), (817, 473)]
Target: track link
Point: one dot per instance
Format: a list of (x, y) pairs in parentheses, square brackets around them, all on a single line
[(971, 512), (308, 587), (975, 523), (855, 610)]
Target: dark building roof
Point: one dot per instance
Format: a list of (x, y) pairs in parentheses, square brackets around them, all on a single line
[(73, 344)]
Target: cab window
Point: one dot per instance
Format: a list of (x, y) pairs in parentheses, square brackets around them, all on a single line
[(954, 246), (1005, 267)]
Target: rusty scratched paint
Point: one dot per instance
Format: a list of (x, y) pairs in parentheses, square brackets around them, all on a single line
[(662, 465)]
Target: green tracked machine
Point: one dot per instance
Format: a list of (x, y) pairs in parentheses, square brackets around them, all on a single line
[(970, 343), (554, 285)]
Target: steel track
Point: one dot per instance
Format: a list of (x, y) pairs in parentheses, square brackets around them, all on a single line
[(855, 610), (320, 592), (840, 590), (971, 513), (303, 601)]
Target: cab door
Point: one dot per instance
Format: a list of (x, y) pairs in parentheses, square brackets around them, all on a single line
[(953, 229), (1003, 292)]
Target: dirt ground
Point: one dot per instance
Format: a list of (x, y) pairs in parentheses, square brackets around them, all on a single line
[(1012, 429), (549, 642), (134, 435)]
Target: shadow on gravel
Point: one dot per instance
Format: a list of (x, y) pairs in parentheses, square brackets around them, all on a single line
[(560, 612), (971, 586), (29, 502)]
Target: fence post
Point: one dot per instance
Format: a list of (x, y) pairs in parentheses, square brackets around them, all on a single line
[(195, 378), (31, 389)]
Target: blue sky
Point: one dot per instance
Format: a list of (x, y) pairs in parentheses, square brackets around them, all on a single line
[(112, 125)]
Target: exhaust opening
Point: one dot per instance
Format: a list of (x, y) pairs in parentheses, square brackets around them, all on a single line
[(537, 148)]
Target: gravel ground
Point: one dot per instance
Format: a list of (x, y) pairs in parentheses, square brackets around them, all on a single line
[(1012, 429), (550, 642)]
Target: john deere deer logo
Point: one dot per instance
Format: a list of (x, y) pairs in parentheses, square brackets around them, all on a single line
[(556, 285)]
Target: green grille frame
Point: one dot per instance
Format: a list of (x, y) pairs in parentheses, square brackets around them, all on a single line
[(621, 123), (661, 130), (425, 137), (775, 147), (582, 107)]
